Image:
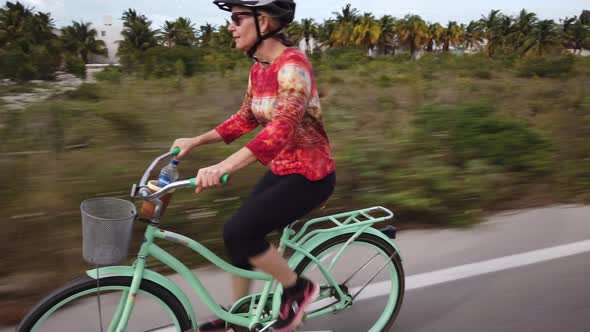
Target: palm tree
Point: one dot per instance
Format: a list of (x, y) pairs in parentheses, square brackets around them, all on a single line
[(387, 30), (41, 27), (223, 37), (523, 26), (168, 33), (505, 28), (342, 34), (348, 14), (367, 32), (434, 36), (80, 39), (205, 34), (130, 16), (345, 23), (137, 34), (185, 32), (308, 31), (413, 33), (13, 22), (575, 33), (544, 38), (29, 35), (473, 35), (490, 25), (325, 32), (295, 32), (452, 35)]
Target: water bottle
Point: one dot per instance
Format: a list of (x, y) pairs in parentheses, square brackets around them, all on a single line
[(168, 174)]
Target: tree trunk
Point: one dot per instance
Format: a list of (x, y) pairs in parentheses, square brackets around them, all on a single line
[(84, 55), (413, 51)]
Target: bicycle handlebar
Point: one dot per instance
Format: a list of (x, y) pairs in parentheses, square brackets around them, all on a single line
[(145, 193)]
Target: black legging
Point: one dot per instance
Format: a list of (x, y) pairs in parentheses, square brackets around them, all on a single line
[(275, 202)]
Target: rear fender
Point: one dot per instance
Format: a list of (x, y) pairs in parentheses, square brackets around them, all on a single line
[(320, 238)]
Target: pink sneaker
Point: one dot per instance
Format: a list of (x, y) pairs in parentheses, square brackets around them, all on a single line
[(293, 304)]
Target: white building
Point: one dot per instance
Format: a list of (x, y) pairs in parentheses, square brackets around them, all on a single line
[(108, 31)]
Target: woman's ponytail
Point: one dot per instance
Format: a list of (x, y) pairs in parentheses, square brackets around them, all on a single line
[(284, 39)]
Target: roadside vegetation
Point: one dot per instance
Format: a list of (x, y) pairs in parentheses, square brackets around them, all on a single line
[(442, 139)]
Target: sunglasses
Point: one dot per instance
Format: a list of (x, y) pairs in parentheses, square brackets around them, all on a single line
[(236, 17)]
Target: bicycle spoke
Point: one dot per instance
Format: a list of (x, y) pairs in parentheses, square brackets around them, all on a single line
[(360, 268), (387, 262)]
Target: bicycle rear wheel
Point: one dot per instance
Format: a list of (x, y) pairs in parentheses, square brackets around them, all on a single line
[(370, 271), (74, 307)]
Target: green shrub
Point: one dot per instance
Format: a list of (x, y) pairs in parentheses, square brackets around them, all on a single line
[(109, 74), (38, 63), (483, 74), (45, 63), (552, 67), (400, 57), (26, 72), (128, 126), (428, 189), (334, 79), (85, 91), (344, 58), (161, 61), (16, 64), (224, 60), (468, 132), (76, 67), (384, 80)]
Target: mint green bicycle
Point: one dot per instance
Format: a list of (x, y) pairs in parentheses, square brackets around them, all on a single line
[(358, 267)]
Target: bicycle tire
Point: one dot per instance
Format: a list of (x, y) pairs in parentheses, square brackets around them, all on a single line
[(82, 285), (377, 242)]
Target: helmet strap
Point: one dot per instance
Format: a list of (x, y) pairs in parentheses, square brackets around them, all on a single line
[(260, 38)]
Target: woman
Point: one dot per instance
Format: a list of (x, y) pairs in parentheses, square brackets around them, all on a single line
[(282, 97)]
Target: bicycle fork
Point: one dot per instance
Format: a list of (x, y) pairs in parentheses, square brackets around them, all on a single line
[(125, 307)]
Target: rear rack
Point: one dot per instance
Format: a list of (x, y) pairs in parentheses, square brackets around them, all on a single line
[(353, 219)]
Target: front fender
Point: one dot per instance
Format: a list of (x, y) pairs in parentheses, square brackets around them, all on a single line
[(320, 238), (128, 271)]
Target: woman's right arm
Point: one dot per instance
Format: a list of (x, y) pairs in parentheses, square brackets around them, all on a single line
[(187, 144)]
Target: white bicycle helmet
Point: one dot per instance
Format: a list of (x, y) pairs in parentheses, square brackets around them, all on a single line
[(282, 10)]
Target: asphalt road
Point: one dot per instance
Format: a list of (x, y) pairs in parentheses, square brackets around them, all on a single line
[(519, 271)]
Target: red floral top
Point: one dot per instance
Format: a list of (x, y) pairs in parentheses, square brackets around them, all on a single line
[(283, 98)]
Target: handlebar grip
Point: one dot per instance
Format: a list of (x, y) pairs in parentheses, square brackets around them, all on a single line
[(175, 151), (224, 179)]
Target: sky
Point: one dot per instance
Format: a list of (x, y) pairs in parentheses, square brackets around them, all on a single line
[(204, 11)]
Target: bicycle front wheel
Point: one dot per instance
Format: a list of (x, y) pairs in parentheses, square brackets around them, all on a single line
[(370, 271), (75, 307)]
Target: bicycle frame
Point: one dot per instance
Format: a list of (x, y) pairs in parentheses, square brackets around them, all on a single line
[(301, 242)]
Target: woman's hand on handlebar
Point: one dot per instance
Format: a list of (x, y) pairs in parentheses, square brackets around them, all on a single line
[(210, 177), (185, 145)]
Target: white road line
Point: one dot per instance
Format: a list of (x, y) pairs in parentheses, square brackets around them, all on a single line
[(470, 270)]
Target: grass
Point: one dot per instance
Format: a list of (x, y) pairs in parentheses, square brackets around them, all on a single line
[(98, 140)]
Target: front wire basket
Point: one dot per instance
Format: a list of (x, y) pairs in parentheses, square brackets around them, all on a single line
[(106, 229)]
